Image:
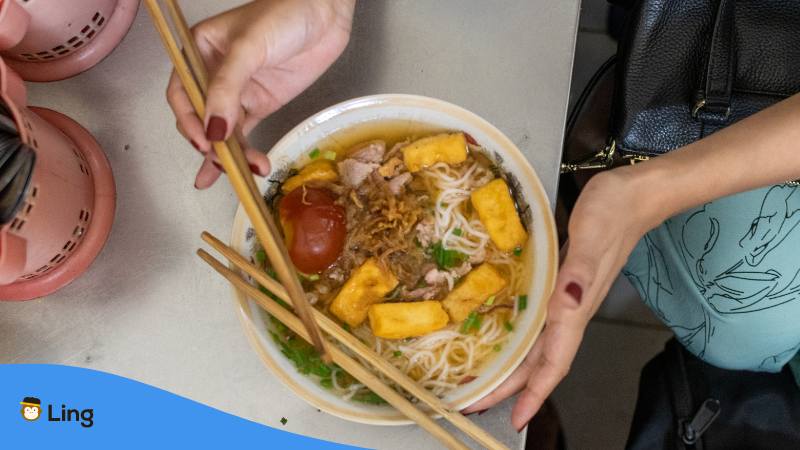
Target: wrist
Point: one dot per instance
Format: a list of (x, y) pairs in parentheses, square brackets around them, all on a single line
[(649, 187)]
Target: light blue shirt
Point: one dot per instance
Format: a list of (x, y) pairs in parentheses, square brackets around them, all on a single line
[(725, 278)]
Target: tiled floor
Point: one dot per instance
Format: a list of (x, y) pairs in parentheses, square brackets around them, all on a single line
[(597, 398)]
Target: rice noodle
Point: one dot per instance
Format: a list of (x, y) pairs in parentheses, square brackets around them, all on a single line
[(454, 185), (444, 358), (387, 226)]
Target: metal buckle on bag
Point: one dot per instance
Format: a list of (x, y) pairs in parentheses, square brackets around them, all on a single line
[(635, 159), (603, 159), (702, 104), (600, 160)]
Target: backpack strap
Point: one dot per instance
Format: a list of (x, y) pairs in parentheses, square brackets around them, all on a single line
[(713, 104), (680, 391), (692, 420)]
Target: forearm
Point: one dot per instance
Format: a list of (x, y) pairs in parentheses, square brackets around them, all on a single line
[(761, 150)]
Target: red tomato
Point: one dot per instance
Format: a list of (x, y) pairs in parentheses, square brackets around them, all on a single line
[(315, 228)]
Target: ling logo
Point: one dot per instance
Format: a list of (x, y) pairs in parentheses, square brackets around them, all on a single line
[(31, 408)]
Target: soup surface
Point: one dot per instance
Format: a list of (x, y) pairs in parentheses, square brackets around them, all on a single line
[(412, 239)]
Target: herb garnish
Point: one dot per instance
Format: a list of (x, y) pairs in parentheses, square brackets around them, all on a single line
[(472, 322), (446, 259), (261, 256), (523, 302)]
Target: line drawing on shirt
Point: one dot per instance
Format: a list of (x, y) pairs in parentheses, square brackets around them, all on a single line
[(776, 359), (693, 330), (778, 216), (743, 286)]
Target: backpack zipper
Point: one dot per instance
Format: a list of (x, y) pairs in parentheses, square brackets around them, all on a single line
[(703, 418)]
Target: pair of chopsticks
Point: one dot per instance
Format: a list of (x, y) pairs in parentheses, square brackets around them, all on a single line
[(289, 290), (346, 362), (194, 77)]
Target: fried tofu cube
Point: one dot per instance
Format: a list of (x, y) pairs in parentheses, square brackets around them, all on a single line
[(367, 285), (498, 214), (404, 320), (449, 148), (480, 284), (320, 170)]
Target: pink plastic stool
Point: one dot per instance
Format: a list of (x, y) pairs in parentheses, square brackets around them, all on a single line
[(69, 206), (61, 38)]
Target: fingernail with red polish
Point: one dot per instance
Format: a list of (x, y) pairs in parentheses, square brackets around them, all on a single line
[(194, 144), (574, 291), (217, 129), (216, 164), (254, 169)]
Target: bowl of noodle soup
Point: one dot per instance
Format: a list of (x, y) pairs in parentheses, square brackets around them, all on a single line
[(439, 250)]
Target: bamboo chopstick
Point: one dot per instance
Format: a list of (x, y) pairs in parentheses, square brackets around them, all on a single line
[(358, 348), (344, 361), (235, 164), (189, 44), (200, 71)]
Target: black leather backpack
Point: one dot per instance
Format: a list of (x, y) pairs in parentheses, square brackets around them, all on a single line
[(686, 68)]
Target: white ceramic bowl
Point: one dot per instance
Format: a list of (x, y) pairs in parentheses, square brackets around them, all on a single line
[(409, 111)]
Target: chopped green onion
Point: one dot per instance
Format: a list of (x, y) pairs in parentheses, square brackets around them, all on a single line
[(283, 420), (517, 251), (523, 302), (311, 277), (272, 274), (346, 327), (490, 301), (327, 383), (329, 155), (261, 256), (472, 322), (446, 259), (397, 353), (314, 154), (508, 326), (369, 398), (497, 347), (457, 232)]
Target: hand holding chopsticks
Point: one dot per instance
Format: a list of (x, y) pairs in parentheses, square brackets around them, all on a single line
[(233, 161)]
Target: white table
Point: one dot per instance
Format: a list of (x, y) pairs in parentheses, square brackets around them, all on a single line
[(148, 309)]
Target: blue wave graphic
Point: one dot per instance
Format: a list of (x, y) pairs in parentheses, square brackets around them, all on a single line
[(83, 408)]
